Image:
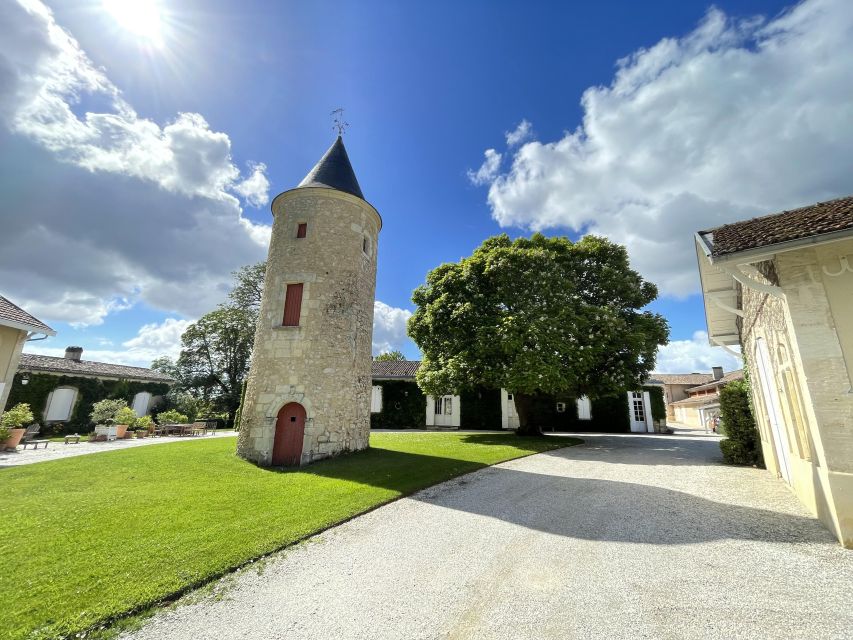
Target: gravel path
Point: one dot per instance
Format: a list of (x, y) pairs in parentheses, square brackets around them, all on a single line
[(58, 450), (624, 537)]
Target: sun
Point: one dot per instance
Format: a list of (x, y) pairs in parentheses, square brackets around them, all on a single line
[(143, 18)]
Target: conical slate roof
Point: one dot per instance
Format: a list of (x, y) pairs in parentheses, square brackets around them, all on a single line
[(334, 171)]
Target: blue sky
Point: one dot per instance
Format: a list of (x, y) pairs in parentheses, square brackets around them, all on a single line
[(143, 213)]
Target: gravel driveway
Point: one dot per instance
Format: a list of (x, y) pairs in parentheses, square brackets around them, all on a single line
[(623, 537)]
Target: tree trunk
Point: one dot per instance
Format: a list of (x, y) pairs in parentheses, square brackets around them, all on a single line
[(524, 409)]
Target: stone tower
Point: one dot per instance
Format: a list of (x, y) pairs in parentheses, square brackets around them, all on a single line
[(308, 391)]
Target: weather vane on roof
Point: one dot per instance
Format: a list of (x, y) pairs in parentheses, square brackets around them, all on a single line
[(339, 123)]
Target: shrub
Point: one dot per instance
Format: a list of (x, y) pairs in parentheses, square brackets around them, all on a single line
[(742, 444), (16, 417), (143, 423), (105, 411), (172, 416), (125, 415)]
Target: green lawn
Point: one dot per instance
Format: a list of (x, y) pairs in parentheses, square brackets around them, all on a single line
[(90, 538)]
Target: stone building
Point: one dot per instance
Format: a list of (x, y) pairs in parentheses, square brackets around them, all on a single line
[(309, 387), (398, 403), (781, 286), (701, 404), (61, 391)]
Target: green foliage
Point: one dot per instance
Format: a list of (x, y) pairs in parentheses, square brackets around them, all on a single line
[(143, 423), (125, 415), (89, 391), (403, 406), (16, 417), (215, 356), (480, 408), (172, 417), (105, 411), (537, 316), (742, 444), (248, 287), (658, 402), (393, 356), (223, 513)]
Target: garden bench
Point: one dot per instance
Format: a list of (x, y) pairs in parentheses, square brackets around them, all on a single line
[(35, 443), (73, 438)]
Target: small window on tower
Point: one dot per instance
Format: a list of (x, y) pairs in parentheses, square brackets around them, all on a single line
[(292, 305), (302, 229), (364, 244)]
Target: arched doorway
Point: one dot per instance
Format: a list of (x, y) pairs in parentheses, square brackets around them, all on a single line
[(289, 431)]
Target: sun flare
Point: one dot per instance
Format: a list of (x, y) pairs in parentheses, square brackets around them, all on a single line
[(143, 18)]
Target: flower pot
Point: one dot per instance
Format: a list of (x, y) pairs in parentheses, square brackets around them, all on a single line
[(13, 440), (121, 429), (141, 434), (128, 435)]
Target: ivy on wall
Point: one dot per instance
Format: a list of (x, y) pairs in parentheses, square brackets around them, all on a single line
[(403, 406), (89, 391), (609, 413), (480, 409)]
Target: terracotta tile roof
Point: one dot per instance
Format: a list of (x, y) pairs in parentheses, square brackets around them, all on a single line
[(697, 401), (13, 314), (813, 220), (34, 362), (680, 378), (731, 375), (395, 369)]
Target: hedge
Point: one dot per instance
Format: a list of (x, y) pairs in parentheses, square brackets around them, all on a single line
[(742, 444), (89, 391)]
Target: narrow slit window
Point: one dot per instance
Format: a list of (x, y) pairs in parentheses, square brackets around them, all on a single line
[(364, 244), (302, 230), (292, 305)]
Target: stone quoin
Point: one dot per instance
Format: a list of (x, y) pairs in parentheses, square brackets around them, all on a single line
[(308, 391)]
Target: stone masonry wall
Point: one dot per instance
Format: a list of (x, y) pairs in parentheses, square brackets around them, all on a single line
[(324, 363), (805, 335)]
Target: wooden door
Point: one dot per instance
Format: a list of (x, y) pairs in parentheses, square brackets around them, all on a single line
[(289, 432)]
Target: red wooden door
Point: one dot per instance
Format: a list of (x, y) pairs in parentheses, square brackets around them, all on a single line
[(289, 431)]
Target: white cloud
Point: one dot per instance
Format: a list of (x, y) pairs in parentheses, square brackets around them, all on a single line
[(256, 188), (389, 327), (151, 341), (488, 170), (694, 356), (738, 118), (163, 339), (110, 208), (522, 132)]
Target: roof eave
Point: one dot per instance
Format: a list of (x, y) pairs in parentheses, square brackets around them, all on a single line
[(757, 254), (29, 328)]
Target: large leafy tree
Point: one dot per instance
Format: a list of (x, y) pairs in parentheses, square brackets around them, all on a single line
[(248, 287), (390, 356), (537, 316)]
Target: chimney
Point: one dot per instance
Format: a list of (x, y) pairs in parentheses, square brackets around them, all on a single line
[(718, 372), (74, 353)]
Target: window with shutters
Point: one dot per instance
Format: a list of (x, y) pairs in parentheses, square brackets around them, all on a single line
[(302, 230), (292, 305), (584, 408), (59, 404), (376, 399)]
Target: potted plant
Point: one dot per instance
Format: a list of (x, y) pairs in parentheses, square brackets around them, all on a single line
[(104, 412), (143, 425), (125, 417), (11, 423)]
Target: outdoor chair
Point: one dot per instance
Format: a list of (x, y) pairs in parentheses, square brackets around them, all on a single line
[(198, 428), (31, 432)]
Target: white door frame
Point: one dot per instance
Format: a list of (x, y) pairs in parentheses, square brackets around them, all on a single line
[(640, 412), (443, 419), (509, 415), (778, 431)]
